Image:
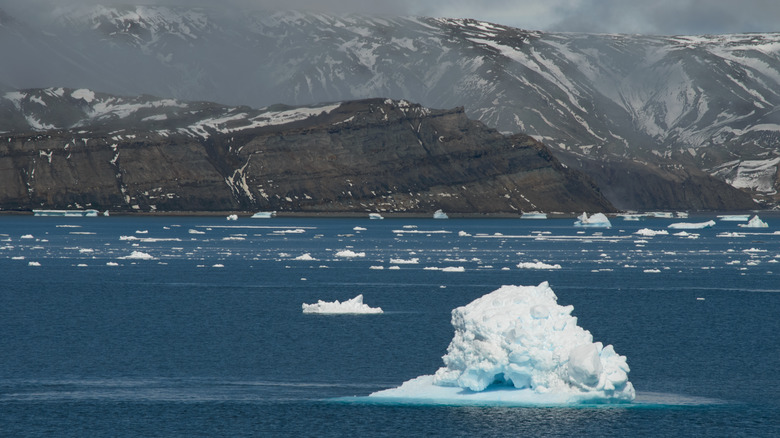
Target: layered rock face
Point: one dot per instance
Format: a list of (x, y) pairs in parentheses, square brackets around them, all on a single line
[(370, 155)]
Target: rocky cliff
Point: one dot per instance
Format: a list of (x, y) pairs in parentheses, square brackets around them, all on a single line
[(104, 152)]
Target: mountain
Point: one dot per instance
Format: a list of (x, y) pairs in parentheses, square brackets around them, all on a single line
[(705, 103), (66, 148)]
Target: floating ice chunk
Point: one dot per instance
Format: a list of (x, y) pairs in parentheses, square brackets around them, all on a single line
[(305, 257), (141, 231), (352, 306), (33, 264), (537, 265), (463, 234), (378, 267), (650, 233), (453, 269), (348, 253), (412, 261), (217, 265), (359, 229), (112, 264), (194, 231), (652, 271), (691, 225), (138, 255), (754, 222), (598, 220), (232, 217), (27, 236), (517, 345), (440, 214)]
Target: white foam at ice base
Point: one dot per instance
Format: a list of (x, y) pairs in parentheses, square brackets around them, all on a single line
[(537, 265), (305, 257), (348, 253), (754, 222), (597, 220), (647, 232), (518, 345), (691, 225), (351, 306), (138, 255)]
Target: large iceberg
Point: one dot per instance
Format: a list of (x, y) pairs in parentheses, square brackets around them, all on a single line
[(351, 306), (516, 345), (691, 226), (598, 220)]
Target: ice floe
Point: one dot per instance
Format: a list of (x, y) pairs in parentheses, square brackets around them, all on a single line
[(517, 345), (138, 255), (537, 265), (691, 225), (348, 253), (351, 306)]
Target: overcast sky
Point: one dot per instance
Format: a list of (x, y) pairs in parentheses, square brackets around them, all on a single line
[(665, 17)]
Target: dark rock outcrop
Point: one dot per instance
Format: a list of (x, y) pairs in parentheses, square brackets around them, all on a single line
[(371, 155)]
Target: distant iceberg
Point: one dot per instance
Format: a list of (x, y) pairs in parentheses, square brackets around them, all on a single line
[(691, 226), (439, 214), (516, 345), (533, 215), (352, 306), (734, 217), (537, 265), (264, 215), (375, 216), (232, 217), (598, 220), (754, 222), (66, 213)]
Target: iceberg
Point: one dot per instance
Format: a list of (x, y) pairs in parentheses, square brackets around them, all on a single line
[(375, 216), (754, 222), (264, 215), (538, 265), (440, 214), (517, 345), (352, 306), (598, 220), (691, 226)]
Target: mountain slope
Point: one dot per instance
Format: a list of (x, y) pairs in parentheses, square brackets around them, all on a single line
[(68, 148), (703, 102)]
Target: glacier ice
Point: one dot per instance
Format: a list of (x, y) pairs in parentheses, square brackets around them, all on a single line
[(517, 345), (754, 222), (354, 305)]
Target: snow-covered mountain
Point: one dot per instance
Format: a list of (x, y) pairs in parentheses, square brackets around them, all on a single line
[(709, 102)]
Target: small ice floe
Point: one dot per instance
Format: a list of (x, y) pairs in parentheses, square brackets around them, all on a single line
[(691, 225), (141, 231), (217, 265), (359, 229), (453, 269), (699, 299), (81, 265), (463, 234), (305, 257), (378, 267), (232, 217), (351, 306), (112, 264), (537, 265), (264, 215), (754, 250), (33, 264), (290, 231), (734, 217), (27, 236), (194, 231), (518, 346), (137, 255), (598, 220), (348, 253), (411, 261), (647, 232), (394, 268), (652, 271), (754, 222), (375, 216)]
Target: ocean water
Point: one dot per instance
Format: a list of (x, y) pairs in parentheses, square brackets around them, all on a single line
[(207, 337)]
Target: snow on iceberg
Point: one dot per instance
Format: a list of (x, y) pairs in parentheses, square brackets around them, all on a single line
[(516, 345), (354, 305), (598, 220), (754, 222), (691, 226)]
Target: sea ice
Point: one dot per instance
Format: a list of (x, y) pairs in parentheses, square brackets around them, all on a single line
[(754, 222), (647, 232), (305, 257), (348, 253), (691, 226), (138, 255), (537, 265), (517, 345), (598, 220), (351, 306), (33, 264)]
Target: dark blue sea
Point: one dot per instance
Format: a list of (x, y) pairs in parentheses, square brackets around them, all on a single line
[(207, 337)]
